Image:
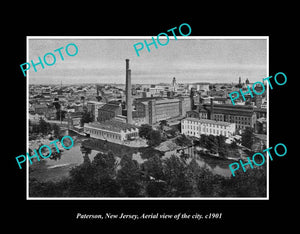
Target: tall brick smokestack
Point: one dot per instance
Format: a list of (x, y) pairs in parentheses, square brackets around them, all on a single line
[(211, 115), (128, 93)]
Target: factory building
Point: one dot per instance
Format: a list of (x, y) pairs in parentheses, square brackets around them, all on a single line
[(195, 127), (93, 107), (112, 131), (155, 110), (243, 116), (108, 112), (108, 127)]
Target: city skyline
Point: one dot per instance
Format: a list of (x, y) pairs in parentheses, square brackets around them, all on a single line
[(190, 60)]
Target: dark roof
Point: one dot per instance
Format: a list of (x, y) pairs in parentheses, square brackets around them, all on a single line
[(231, 109), (109, 107), (112, 125), (192, 111), (260, 110)]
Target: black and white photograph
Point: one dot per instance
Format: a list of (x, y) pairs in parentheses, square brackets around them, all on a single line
[(148, 118)]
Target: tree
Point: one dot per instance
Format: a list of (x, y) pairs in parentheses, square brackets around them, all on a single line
[(222, 146), (172, 132), (106, 162), (96, 179), (144, 131), (129, 177), (154, 172), (212, 144), (44, 127), (163, 123), (82, 181), (154, 138), (177, 179), (183, 140), (233, 145), (105, 174), (148, 133), (203, 140), (193, 171), (216, 144), (150, 152), (209, 184), (153, 167), (248, 137), (252, 183), (87, 117)]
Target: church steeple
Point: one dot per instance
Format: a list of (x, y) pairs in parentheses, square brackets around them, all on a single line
[(174, 84)]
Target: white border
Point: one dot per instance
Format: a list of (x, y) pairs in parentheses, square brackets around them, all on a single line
[(142, 37)]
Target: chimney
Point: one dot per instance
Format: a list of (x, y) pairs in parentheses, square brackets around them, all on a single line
[(128, 93), (211, 108), (126, 85)]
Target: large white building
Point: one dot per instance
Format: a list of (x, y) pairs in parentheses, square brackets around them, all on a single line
[(113, 131), (196, 127)]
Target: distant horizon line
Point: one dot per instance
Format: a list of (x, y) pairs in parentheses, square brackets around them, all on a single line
[(132, 83)]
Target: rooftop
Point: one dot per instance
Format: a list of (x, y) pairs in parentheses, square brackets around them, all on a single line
[(112, 125), (167, 101), (94, 102), (260, 109), (109, 107), (242, 110), (208, 121)]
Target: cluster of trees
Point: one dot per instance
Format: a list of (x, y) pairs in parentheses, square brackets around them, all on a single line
[(215, 144), (171, 177), (152, 136), (248, 137), (183, 140), (155, 137), (44, 128)]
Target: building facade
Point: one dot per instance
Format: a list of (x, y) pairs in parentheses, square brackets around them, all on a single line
[(108, 111), (243, 116), (93, 107), (155, 110), (195, 127)]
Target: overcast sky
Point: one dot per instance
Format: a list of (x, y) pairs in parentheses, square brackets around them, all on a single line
[(188, 59)]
